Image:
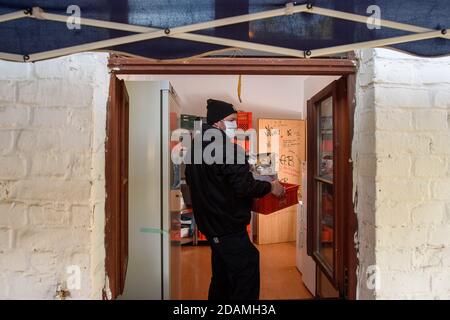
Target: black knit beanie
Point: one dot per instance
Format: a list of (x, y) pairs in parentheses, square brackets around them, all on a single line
[(218, 110)]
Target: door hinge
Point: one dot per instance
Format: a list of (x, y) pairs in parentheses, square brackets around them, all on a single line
[(345, 283)]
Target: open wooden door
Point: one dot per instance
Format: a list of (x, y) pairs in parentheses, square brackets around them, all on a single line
[(116, 208), (331, 219)]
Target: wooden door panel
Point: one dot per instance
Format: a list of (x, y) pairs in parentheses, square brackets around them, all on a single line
[(116, 206), (329, 182), (124, 136)]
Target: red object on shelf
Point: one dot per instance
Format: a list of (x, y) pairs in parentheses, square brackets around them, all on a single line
[(327, 145), (201, 236), (244, 120), (327, 234), (327, 204), (175, 235), (270, 204)]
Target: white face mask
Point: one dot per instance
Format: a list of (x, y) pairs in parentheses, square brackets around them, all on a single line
[(230, 128)]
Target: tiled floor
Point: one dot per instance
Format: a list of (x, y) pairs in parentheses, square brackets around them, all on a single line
[(280, 278)]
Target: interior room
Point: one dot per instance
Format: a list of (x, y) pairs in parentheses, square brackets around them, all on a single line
[(182, 269)]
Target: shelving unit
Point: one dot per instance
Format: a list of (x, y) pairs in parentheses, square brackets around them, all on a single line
[(190, 239), (188, 123), (184, 241)]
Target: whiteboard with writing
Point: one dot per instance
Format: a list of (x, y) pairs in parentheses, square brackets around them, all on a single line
[(286, 138)]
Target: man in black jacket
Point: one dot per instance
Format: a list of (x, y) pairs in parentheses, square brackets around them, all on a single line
[(222, 191)]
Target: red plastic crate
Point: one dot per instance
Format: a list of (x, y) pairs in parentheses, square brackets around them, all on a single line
[(270, 204), (244, 120)]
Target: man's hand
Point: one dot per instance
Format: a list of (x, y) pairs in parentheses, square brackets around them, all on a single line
[(277, 189)]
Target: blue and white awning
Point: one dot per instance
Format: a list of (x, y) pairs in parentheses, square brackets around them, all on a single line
[(32, 30)]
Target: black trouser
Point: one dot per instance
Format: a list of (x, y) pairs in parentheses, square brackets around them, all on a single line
[(235, 268)]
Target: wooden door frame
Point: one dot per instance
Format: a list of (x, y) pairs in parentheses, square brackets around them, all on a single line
[(116, 176), (229, 66), (120, 65)]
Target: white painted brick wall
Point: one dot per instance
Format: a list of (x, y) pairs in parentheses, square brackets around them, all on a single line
[(52, 133), (14, 117), (364, 170), (405, 216)]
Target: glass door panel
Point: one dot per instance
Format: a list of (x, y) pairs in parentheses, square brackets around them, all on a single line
[(325, 140), (325, 224)]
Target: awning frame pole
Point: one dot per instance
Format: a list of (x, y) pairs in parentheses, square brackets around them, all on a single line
[(11, 57), (242, 45), (183, 32), (40, 14), (10, 17), (364, 19), (13, 16), (374, 43), (288, 10), (166, 33)]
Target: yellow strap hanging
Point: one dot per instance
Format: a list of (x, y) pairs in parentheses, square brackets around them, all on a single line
[(239, 88)]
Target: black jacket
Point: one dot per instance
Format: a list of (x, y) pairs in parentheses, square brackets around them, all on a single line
[(222, 193)]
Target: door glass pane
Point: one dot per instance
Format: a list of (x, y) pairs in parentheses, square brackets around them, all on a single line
[(325, 223), (325, 139)]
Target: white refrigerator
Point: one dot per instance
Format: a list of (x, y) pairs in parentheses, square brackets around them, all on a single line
[(305, 263), (153, 263)]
